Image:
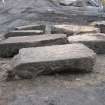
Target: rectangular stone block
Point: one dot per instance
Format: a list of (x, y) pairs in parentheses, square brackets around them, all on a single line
[(23, 33), (9, 47), (73, 29), (52, 59), (32, 27), (93, 41)]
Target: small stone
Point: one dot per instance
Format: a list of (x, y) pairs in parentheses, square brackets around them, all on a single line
[(53, 59)]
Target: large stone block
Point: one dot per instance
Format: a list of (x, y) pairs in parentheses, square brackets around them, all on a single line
[(100, 25), (31, 62), (32, 27), (9, 47), (73, 29), (93, 41), (23, 33)]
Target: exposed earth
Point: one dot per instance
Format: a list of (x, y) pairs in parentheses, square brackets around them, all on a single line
[(59, 89)]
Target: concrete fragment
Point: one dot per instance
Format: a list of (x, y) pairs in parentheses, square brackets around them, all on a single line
[(51, 59), (23, 33), (100, 25), (32, 27), (93, 41), (11, 46), (73, 29)]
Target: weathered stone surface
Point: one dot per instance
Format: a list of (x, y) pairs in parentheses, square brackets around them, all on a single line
[(100, 25), (65, 2), (72, 29), (11, 46), (23, 33), (93, 41), (50, 59), (32, 27), (2, 36)]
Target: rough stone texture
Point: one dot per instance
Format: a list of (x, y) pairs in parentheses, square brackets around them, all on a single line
[(2, 36), (31, 62), (65, 2), (23, 33), (100, 25), (32, 27), (73, 29), (93, 41), (9, 47)]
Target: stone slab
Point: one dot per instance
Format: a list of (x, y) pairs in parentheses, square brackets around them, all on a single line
[(52, 59), (73, 29), (100, 25), (32, 27), (93, 41), (9, 47), (23, 33)]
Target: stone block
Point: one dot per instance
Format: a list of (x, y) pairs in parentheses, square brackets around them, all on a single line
[(95, 42), (9, 47), (31, 62), (100, 25), (23, 33), (73, 29), (32, 27)]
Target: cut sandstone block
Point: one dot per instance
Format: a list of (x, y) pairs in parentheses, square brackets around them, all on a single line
[(51, 59), (93, 41), (32, 27), (23, 33), (9, 47), (73, 29), (100, 25)]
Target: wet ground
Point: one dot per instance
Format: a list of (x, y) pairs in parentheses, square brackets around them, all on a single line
[(59, 89)]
